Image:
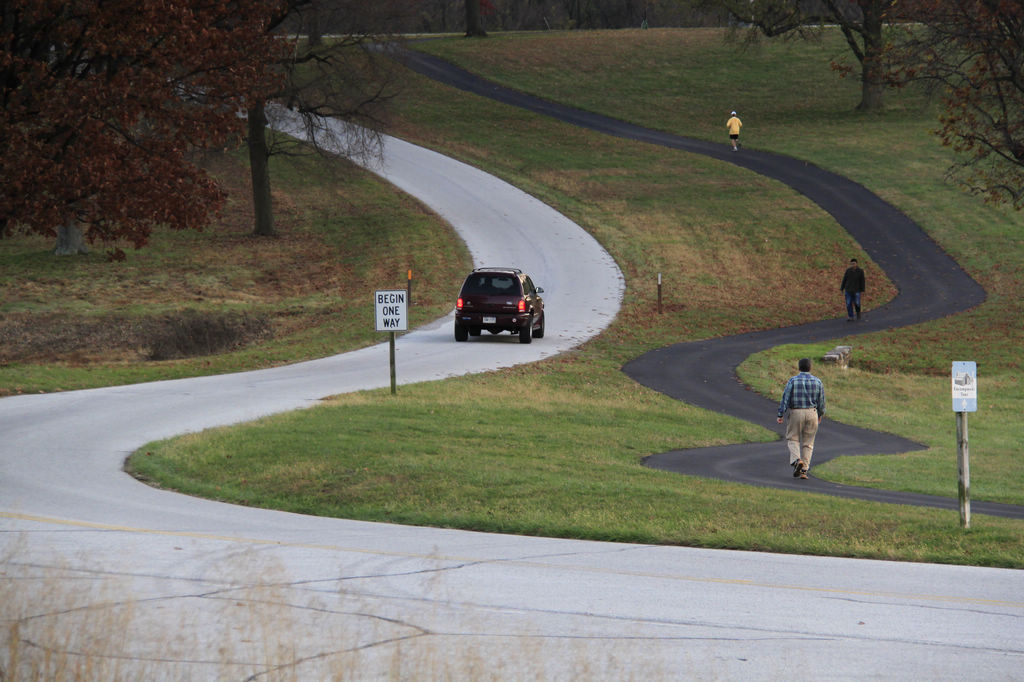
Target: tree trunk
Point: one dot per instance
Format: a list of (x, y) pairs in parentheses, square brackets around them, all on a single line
[(872, 84), (576, 14), (870, 94), (474, 27), (259, 163), (313, 30), (70, 240)]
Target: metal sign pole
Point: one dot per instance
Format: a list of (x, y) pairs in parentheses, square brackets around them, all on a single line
[(963, 465)]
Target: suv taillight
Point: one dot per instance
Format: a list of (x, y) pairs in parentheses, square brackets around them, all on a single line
[(458, 303), (522, 305)]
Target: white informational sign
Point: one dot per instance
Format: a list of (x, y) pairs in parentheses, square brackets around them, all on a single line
[(392, 307), (965, 387)]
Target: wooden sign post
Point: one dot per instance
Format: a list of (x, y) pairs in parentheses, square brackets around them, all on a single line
[(965, 399), (392, 315)]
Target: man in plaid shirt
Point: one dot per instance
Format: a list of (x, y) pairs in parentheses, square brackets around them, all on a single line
[(804, 400)]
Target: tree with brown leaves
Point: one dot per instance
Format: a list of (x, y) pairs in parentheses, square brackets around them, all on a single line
[(104, 101), (974, 49)]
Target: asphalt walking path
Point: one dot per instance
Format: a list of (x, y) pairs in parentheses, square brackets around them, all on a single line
[(930, 284)]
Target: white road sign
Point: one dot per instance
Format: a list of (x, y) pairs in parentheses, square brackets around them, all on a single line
[(392, 307), (965, 387)]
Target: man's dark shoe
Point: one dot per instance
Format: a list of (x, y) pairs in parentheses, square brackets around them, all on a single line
[(798, 467)]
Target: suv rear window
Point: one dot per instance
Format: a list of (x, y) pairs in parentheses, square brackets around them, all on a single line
[(491, 284)]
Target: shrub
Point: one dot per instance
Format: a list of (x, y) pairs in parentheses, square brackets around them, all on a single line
[(190, 333)]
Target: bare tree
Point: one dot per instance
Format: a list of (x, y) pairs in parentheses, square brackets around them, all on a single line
[(863, 23), (341, 75)]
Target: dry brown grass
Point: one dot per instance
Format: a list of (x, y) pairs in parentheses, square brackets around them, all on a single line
[(233, 290)]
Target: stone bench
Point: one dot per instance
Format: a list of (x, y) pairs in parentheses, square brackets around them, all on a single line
[(838, 356)]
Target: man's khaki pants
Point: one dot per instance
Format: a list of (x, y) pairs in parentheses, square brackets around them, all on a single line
[(801, 427)]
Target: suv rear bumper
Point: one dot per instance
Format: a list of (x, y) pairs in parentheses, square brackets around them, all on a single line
[(501, 321)]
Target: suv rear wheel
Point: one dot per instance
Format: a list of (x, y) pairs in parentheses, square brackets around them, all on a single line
[(461, 333), (526, 332)]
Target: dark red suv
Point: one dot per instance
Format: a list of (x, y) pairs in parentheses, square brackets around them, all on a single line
[(499, 300)]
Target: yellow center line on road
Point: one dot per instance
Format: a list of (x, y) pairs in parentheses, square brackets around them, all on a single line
[(953, 599)]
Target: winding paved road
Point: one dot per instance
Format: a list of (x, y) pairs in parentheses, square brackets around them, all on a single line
[(703, 373), (104, 578)]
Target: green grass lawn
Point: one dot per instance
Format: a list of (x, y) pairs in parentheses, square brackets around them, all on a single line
[(722, 238), (792, 103), (449, 461)]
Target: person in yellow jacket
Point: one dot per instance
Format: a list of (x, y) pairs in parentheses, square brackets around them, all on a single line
[(734, 124)]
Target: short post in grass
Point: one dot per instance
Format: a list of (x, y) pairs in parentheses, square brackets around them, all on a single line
[(965, 399), (392, 313), (659, 293), (408, 287)]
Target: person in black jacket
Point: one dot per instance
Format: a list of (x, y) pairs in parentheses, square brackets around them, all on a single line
[(852, 286)]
